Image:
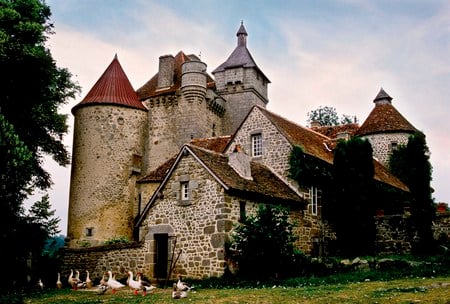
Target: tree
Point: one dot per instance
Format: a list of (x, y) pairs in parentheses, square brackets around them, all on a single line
[(327, 116), (263, 244), (352, 212), (411, 164), (32, 88)]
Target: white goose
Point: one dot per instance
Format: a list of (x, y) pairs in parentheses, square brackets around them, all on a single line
[(113, 284), (78, 282), (88, 280), (178, 294), (71, 280), (136, 285), (182, 286), (58, 282)]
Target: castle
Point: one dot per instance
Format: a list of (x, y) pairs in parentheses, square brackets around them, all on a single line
[(177, 163)]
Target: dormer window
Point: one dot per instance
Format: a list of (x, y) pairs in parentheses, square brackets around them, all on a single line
[(256, 144)]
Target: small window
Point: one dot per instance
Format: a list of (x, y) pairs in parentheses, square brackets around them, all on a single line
[(256, 145), (89, 231), (184, 191), (394, 146), (242, 211)]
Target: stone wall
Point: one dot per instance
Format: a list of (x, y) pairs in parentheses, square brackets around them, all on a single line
[(382, 144), (392, 235), (118, 258), (441, 226), (107, 147)]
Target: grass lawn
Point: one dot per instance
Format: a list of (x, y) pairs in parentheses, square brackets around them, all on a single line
[(411, 290)]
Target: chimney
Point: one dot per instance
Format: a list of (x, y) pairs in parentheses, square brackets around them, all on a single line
[(166, 71), (240, 162)]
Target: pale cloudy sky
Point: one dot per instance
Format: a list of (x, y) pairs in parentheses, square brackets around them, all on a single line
[(316, 53)]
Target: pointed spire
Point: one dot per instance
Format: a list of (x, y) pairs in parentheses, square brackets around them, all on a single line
[(242, 35), (382, 97), (113, 87)]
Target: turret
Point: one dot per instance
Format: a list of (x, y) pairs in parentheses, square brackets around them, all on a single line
[(240, 82), (193, 80), (107, 149)]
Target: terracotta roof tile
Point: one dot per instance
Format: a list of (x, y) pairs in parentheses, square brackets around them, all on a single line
[(113, 87), (217, 144), (385, 118), (264, 182), (312, 143), (333, 131), (159, 173), (150, 88), (321, 146)]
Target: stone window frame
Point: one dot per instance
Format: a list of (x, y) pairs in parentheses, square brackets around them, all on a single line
[(89, 231), (253, 135), (178, 189)]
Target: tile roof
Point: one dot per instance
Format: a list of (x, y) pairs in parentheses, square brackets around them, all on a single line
[(159, 173), (321, 146), (217, 144), (333, 131), (113, 87), (150, 88), (312, 143), (384, 118), (264, 182)]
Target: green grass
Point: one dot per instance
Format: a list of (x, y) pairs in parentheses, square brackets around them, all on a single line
[(410, 290)]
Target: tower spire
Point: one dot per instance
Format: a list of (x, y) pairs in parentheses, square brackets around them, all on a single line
[(242, 35)]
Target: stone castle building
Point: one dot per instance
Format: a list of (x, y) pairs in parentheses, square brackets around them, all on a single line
[(175, 164)]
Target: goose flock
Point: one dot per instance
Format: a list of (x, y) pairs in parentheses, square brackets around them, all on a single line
[(108, 281)]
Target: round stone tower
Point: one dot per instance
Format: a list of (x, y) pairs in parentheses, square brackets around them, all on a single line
[(385, 128), (107, 147), (193, 80)]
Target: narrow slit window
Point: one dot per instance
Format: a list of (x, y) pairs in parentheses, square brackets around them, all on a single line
[(184, 191)]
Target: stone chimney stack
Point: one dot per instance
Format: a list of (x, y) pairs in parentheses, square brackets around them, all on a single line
[(315, 124), (166, 71), (240, 162)]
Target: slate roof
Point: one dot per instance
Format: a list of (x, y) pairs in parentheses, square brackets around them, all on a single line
[(113, 87), (265, 183), (150, 88), (240, 57), (384, 118)]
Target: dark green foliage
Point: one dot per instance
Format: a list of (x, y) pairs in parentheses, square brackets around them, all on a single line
[(32, 88), (351, 214), (411, 164), (263, 244), (307, 170)]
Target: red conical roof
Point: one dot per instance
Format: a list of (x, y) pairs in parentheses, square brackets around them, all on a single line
[(113, 87)]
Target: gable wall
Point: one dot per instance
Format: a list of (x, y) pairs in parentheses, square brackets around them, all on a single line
[(276, 148), (201, 227)]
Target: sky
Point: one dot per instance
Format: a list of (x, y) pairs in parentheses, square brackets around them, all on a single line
[(315, 53)]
